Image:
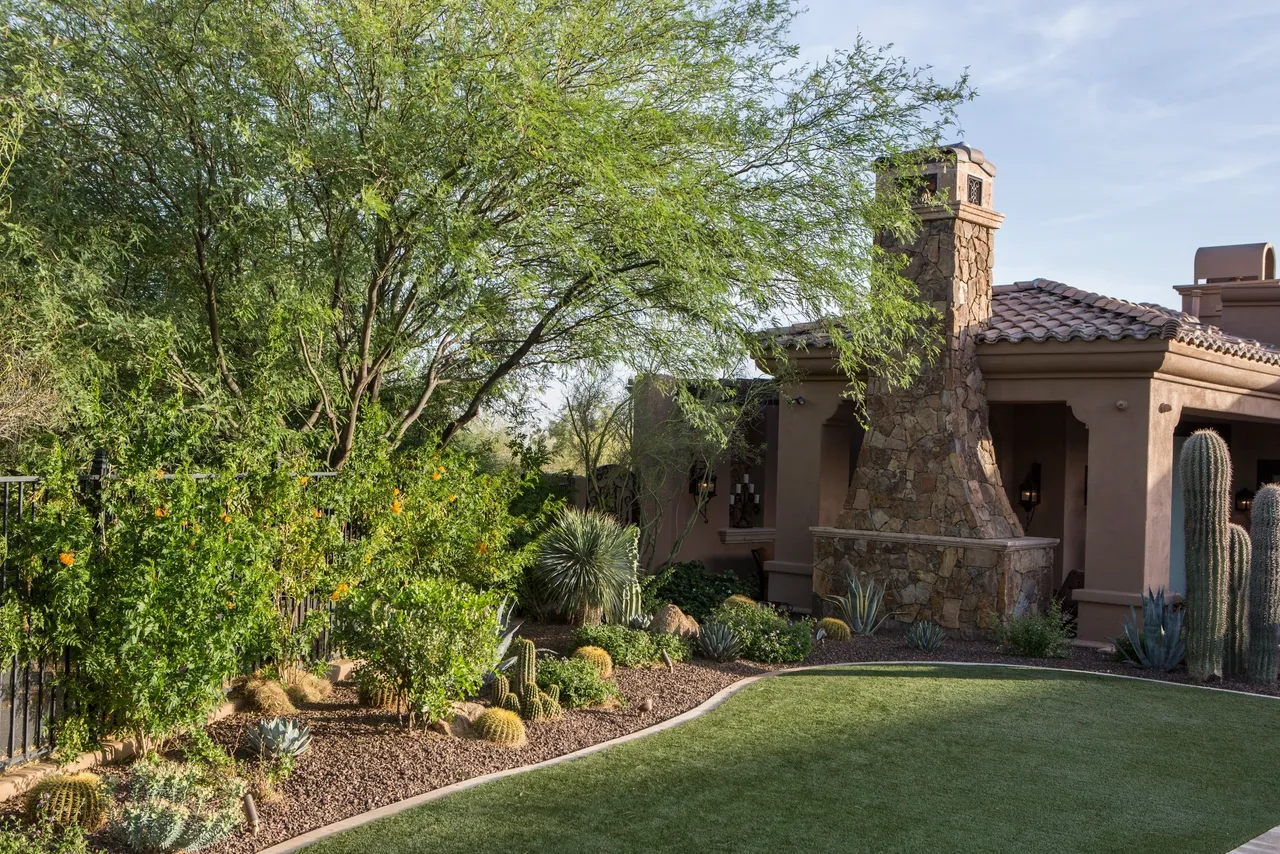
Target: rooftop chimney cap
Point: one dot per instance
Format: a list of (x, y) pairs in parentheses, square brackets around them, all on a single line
[(965, 152), (1243, 262)]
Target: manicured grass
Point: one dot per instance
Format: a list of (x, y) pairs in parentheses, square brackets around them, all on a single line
[(893, 759)]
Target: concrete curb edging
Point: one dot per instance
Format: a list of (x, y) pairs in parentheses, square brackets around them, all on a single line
[(710, 704)]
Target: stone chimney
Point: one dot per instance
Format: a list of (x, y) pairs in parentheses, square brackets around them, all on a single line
[(926, 514)]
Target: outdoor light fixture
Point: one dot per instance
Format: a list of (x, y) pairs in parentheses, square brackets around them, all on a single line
[(1244, 500), (701, 482), (1029, 491)]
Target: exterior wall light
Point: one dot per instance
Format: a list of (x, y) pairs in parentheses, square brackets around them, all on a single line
[(1029, 491), (1244, 500), (702, 482)]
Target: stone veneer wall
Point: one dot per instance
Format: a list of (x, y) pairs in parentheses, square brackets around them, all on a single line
[(927, 467), (965, 585)]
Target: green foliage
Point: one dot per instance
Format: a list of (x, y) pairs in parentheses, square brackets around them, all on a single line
[(859, 607), (202, 751), (1264, 586), (279, 738), (832, 628), (1235, 656), (172, 807), (431, 639), (72, 736), (1205, 465), (1036, 635), (766, 635), (41, 839), (65, 800), (579, 681), (676, 647), (627, 647), (695, 591), (586, 564), (718, 642), (374, 691), (501, 727), (926, 636), (1158, 643)]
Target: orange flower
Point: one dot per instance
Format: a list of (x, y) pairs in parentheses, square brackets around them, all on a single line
[(483, 548), (396, 506), (161, 512), (440, 469), (343, 590), (435, 475), (395, 490), (159, 474), (303, 480), (67, 558), (225, 518), (317, 514), (231, 606)]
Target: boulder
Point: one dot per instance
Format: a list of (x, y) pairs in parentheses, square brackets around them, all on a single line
[(672, 621), (458, 722)]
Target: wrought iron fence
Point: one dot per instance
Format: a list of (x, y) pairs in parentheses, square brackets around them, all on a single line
[(32, 696)]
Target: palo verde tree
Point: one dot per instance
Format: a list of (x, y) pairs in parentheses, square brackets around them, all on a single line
[(328, 209)]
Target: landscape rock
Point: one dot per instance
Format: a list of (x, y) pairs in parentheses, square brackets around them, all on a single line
[(669, 619)]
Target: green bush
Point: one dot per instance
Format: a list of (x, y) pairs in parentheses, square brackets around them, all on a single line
[(579, 680), (695, 591), (432, 639), (1036, 635), (766, 635), (627, 647), (173, 807), (38, 839), (675, 646)]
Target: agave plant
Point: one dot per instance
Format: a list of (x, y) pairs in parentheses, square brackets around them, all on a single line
[(640, 622), (860, 606), (1159, 644), (926, 636), (586, 565), (279, 738), (506, 633), (718, 642)]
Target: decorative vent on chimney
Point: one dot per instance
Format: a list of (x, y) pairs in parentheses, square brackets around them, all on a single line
[(1246, 262), (975, 190)]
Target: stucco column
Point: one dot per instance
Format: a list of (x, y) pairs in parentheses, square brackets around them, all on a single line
[(799, 485), (1129, 502)]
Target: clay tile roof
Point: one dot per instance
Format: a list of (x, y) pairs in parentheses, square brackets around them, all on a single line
[(1041, 309)]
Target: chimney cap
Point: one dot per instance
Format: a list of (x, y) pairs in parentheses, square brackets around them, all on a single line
[(965, 152), (1242, 262)]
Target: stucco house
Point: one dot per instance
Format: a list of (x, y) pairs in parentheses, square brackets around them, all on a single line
[(1037, 452)]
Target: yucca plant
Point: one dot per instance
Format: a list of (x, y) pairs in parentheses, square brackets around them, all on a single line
[(1158, 644), (586, 565), (860, 606)]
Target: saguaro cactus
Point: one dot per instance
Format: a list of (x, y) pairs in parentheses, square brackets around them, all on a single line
[(1235, 655), (1264, 585), (1206, 487)]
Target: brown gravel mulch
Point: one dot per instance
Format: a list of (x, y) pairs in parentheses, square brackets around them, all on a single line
[(361, 759)]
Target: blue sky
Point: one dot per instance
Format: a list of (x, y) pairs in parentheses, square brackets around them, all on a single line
[(1126, 134)]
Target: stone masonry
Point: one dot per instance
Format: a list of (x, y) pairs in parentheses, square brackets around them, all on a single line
[(927, 514)]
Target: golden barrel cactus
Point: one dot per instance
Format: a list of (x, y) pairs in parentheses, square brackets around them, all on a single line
[(68, 800), (500, 726), (835, 629), (597, 658)]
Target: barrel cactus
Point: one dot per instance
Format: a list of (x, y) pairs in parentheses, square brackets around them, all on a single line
[(500, 727), (499, 688), (526, 667), (1205, 466), (530, 706), (1264, 586), (833, 628), (1235, 654), (511, 702), (68, 800), (597, 658)]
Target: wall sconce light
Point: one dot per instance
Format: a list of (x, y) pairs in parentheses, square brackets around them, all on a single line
[(1029, 492), (1244, 500), (702, 482)]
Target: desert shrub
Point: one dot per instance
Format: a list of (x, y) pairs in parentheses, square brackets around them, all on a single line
[(41, 839), (586, 561), (627, 647), (431, 639), (698, 593), (675, 646), (1036, 635), (580, 682), (766, 635), (860, 607), (173, 807), (202, 751)]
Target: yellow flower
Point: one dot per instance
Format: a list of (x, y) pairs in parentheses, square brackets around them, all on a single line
[(225, 518), (395, 490), (196, 527), (368, 558), (440, 469), (343, 590), (452, 498), (161, 512), (396, 506), (67, 558), (317, 514), (435, 475), (303, 480), (183, 523), (231, 606), (159, 474)]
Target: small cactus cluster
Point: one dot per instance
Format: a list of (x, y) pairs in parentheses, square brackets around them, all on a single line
[(833, 628), (500, 726), (522, 695), (597, 658), (68, 800), (1233, 577)]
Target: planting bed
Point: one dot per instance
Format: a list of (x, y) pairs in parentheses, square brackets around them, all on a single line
[(361, 759)]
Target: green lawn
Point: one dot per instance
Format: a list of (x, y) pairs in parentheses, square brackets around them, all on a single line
[(893, 759)]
